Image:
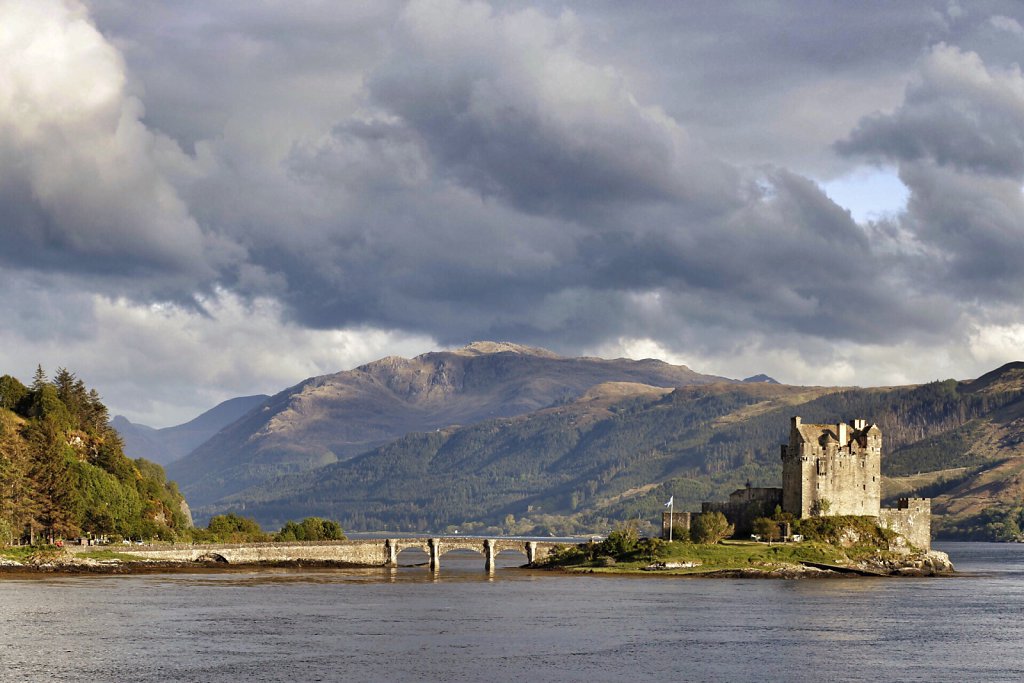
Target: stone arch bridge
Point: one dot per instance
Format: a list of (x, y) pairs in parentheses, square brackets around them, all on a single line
[(363, 552)]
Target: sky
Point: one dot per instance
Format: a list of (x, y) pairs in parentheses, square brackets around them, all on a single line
[(203, 199)]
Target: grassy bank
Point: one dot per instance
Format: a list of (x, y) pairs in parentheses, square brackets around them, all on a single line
[(696, 559), (48, 554)]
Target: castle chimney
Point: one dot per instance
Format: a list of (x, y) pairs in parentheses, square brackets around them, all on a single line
[(796, 422), (841, 433)]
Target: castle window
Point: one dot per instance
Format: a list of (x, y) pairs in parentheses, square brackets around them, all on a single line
[(822, 466)]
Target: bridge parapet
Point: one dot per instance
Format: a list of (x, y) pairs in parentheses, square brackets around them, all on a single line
[(362, 552)]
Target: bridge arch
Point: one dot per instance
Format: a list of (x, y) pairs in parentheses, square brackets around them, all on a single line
[(213, 557)]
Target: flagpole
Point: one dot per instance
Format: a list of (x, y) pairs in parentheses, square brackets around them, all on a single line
[(670, 508)]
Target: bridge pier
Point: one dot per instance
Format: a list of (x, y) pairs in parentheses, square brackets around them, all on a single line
[(391, 549), (489, 554), (435, 553), (531, 551)]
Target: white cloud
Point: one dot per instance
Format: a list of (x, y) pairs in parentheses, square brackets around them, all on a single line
[(78, 168), (333, 183), (161, 364)]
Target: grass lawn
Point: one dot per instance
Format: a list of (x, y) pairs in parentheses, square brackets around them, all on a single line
[(25, 553), (727, 555)]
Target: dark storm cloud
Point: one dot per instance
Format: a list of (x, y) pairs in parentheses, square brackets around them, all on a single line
[(957, 113), (547, 174)]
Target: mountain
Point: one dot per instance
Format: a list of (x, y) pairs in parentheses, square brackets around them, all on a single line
[(335, 417), (761, 378), (620, 450), (164, 446)]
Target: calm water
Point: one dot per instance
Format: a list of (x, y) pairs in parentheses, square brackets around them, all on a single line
[(516, 625)]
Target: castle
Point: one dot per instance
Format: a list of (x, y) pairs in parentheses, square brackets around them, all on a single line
[(827, 469)]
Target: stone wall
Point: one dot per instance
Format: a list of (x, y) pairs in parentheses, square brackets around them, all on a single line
[(912, 519), (680, 520), (745, 505)]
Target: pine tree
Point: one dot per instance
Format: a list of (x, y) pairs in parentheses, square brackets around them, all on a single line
[(52, 480), (39, 379)]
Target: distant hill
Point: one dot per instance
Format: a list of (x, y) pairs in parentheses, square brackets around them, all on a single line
[(164, 446), (761, 378), (620, 450), (335, 417)]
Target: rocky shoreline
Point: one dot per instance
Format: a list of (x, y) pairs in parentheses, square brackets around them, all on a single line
[(931, 563)]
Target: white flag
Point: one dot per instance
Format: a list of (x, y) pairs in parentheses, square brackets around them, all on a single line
[(669, 503)]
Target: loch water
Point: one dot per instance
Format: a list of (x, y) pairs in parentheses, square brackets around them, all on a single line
[(463, 624)]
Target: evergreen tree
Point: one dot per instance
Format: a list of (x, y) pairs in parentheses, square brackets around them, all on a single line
[(39, 379), (52, 479), (12, 392)]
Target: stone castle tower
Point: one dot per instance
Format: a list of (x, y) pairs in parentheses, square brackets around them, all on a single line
[(827, 470), (833, 469)]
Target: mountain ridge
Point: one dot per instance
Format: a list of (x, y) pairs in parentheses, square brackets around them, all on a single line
[(333, 417), (165, 445)]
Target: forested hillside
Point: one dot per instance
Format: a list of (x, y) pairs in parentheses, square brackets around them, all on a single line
[(336, 417), (63, 471), (621, 450)]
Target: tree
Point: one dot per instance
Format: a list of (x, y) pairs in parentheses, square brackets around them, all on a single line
[(52, 479), (39, 379), (821, 507), (710, 528), (234, 528), (622, 540), (766, 528), (12, 392), (311, 529)]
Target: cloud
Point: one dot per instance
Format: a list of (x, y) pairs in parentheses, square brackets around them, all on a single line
[(508, 106), (957, 113), (161, 364), (242, 177), (499, 184), (958, 140), (81, 182)]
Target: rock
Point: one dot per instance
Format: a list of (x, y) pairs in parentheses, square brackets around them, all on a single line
[(658, 566)]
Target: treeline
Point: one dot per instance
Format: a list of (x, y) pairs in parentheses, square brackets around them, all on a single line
[(234, 528), (63, 472), (1000, 523)]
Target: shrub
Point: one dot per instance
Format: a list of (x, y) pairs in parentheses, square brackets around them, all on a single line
[(311, 529), (621, 541), (845, 530), (710, 528), (767, 528)]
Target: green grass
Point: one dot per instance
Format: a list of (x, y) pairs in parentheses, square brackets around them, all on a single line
[(725, 556), (106, 554), (20, 553), (24, 553)]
